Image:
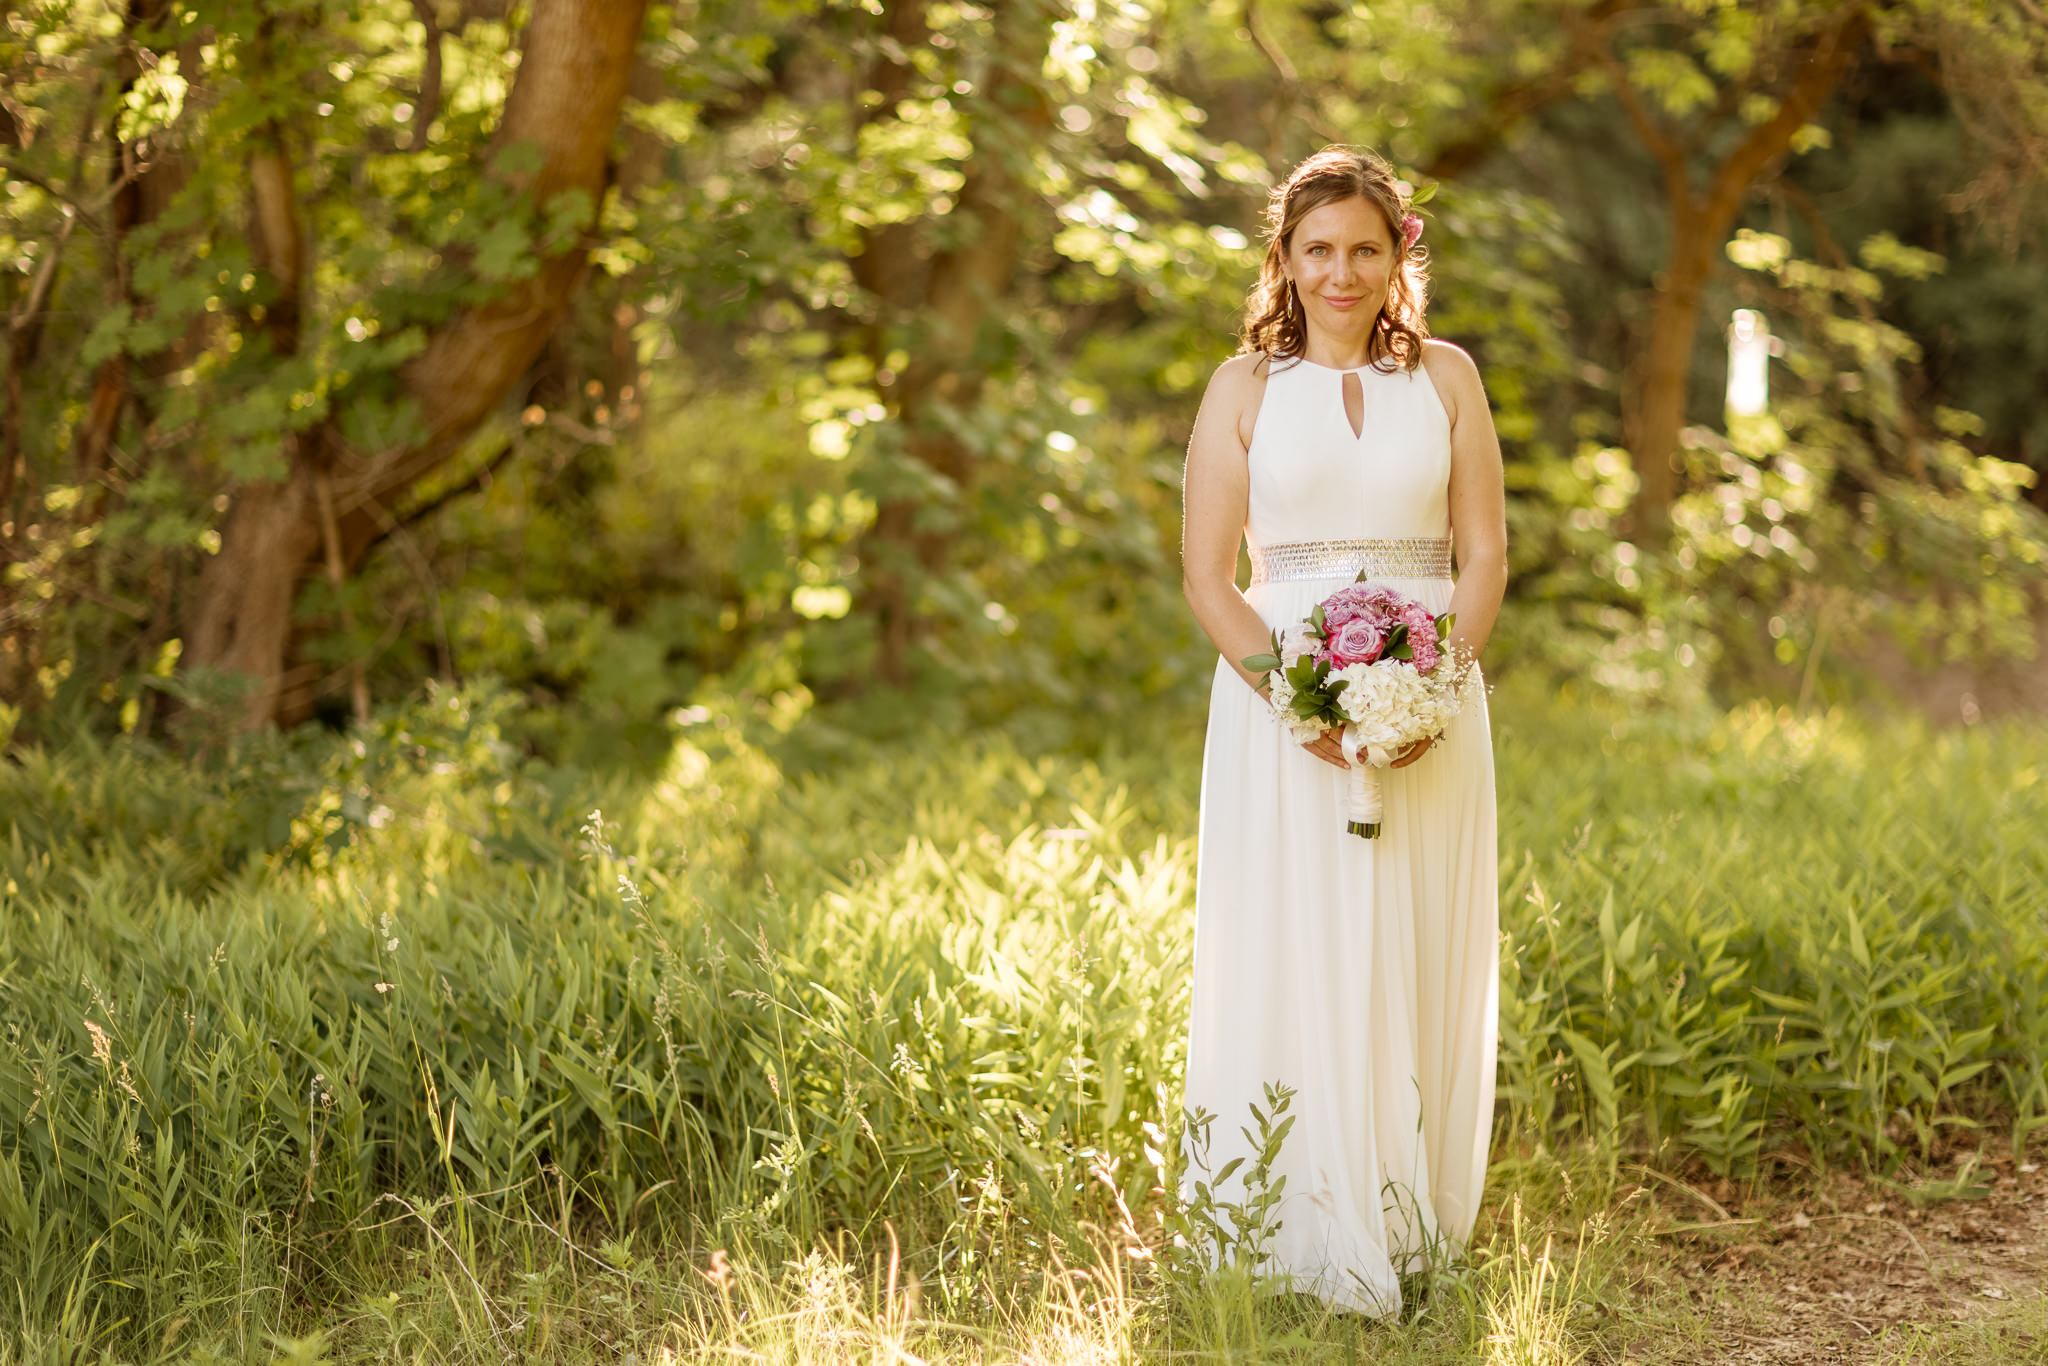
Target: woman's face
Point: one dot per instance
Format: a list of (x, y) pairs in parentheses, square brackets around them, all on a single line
[(1341, 259)]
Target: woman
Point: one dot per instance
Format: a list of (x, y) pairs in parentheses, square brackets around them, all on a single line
[(1362, 974)]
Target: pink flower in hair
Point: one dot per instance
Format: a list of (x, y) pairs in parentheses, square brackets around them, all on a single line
[(1411, 229)]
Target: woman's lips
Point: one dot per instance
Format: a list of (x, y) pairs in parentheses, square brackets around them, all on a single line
[(1341, 303)]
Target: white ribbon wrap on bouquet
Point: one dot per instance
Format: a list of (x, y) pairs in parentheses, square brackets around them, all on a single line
[(1362, 794)]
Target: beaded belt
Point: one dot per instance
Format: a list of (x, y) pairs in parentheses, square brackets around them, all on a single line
[(1414, 557)]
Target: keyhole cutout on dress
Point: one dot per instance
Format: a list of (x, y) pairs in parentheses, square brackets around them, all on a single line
[(1354, 403)]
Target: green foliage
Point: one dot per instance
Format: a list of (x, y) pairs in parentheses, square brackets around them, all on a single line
[(1761, 951), (1208, 1233), (940, 986), (682, 503)]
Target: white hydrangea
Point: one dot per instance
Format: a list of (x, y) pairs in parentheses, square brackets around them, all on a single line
[(1393, 706)]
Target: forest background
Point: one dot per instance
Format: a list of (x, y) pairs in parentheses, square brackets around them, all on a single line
[(844, 353), (430, 425)]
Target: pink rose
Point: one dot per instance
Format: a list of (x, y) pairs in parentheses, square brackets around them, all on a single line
[(1344, 605), (1369, 605), (1357, 641)]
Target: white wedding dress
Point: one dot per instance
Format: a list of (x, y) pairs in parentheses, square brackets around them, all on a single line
[(1361, 973)]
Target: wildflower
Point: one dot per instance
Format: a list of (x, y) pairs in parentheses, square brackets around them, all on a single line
[(102, 1047), (591, 836)]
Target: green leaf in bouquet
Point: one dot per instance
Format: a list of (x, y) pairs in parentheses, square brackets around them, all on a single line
[(1261, 663), (1315, 621), (1443, 625), (1397, 640)]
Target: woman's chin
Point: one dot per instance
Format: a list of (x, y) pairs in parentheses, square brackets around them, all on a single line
[(1344, 324)]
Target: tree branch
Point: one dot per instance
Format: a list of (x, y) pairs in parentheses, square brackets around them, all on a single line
[(21, 172), (1768, 141), (1507, 105), (1283, 96), (1656, 139), (412, 517), (430, 77), (571, 85), (1275, 55)]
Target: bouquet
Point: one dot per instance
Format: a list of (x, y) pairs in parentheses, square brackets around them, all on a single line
[(1375, 663)]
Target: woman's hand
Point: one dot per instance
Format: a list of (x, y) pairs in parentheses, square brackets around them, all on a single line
[(1329, 747), (1413, 752)]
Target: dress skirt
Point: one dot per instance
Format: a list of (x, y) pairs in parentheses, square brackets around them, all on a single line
[(1361, 973)]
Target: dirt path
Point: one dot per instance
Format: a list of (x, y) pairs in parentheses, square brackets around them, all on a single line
[(1833, 1274)]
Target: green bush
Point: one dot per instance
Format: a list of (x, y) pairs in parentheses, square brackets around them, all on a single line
[(941, 984)]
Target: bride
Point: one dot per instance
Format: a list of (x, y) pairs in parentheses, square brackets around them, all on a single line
[(1357, 976)]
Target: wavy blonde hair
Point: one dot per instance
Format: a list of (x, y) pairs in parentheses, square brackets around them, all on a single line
[(1274, 321)]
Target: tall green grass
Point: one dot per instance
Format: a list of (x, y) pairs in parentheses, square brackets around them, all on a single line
[(440, 1010)]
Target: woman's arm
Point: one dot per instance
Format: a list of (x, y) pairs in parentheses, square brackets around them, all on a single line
[(1479, 523), (1478, 499), (1215, 498)]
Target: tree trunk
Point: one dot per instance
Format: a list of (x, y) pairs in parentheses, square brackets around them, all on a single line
[(142, 188), (575, 61), (1656, 402), (1654, 412)]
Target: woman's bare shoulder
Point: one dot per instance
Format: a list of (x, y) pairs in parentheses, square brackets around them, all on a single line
[(1448, 360), (1454, 373), (1241, 374), (1235, 391)]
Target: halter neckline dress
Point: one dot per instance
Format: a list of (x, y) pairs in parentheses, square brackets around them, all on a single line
[(1361, 973)]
